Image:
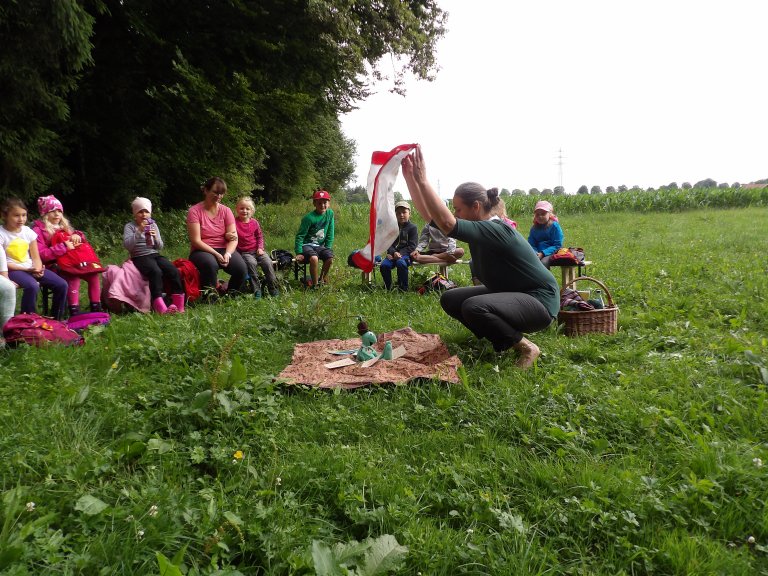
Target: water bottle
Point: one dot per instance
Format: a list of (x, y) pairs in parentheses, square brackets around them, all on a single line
[(599, 303), (148, 238)]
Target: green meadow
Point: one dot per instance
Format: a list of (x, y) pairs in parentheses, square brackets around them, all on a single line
[(165, 445)]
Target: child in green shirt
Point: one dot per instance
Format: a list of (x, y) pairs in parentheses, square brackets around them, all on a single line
[(314, 240)]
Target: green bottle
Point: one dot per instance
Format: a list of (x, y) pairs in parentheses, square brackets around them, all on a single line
[(597, 299)]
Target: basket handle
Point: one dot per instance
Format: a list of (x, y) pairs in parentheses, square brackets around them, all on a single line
[(596, 281)]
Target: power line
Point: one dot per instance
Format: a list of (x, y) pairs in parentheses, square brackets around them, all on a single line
[(559, 163)]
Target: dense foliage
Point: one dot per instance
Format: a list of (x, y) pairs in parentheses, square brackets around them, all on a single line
[(165, 446), (45, 45), (117, 97)]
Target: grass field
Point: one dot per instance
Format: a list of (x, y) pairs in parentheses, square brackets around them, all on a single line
[(164, 445)]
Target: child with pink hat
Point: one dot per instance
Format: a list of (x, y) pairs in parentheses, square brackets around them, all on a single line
[(51, 245), (545, 236)]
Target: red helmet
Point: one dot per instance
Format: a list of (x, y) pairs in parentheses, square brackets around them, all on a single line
[(321, 195)]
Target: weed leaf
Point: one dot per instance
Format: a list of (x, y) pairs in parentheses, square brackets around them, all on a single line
[(90, 505), (166, 567), (159, 445), (234, 519), (82, 395), (509, 521), (223, 399), (236, 372), (384, 555), (202, 400), (349, 550), (325, 563)]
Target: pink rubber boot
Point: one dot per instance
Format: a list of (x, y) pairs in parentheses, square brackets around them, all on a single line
[(158, 305), (178, 301)]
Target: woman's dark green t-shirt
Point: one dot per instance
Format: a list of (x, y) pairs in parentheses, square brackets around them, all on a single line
[(504, 261)]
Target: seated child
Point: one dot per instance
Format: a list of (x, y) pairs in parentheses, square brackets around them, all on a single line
[(546, 236), (143, 241), (250, 244), (59, 243), (434, 247), (7, 293), (23, 258), (314, 240), (500, 210), (399, 254)]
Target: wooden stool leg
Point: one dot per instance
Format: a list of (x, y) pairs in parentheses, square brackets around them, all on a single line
[(569, 274)]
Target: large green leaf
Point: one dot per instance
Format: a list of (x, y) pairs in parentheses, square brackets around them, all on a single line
[(384, 555), (236, 372), (324, 560), (166, 567), (90, 505)]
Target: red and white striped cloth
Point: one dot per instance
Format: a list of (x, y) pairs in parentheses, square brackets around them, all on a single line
[(385, 167)]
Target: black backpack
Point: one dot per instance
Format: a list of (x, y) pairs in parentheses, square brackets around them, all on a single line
[(283, 258)]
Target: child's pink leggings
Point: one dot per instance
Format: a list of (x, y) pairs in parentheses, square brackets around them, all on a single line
[(73, 287)]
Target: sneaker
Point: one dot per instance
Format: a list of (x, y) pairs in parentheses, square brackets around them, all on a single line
[(274, 292), (257, 294)]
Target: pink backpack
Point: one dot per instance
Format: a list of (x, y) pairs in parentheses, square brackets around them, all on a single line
[(38, 331), (80, 322)]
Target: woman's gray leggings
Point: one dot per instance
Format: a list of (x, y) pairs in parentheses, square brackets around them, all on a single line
[(501, 317)]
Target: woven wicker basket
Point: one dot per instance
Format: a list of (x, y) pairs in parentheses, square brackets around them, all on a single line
[(580, 322)]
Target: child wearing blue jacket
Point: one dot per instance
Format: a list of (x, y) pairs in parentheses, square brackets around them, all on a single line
[(546, 236)]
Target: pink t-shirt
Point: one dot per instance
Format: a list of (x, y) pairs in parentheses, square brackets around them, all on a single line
[(249, 236), (212, 229)]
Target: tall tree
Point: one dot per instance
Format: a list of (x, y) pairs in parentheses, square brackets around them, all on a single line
[(45, 46), (246, 89)]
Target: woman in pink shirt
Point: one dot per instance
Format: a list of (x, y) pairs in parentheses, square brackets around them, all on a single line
[(213, 239)]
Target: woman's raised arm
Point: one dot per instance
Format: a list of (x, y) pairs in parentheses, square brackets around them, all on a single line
[(425, 199)]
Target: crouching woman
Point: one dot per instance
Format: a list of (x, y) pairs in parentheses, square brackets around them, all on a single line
[(519, 295)]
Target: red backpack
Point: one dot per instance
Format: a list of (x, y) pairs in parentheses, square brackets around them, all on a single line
[(190, 277), (81, 260), (35, 330)]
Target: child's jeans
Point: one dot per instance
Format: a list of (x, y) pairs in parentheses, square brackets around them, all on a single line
[(7, 300), (253, 262), (31, 286), (401, 264)]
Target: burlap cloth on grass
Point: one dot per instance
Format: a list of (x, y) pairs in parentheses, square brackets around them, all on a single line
[(426, 356)]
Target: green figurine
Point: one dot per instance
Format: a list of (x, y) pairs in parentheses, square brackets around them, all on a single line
[(368, 338)]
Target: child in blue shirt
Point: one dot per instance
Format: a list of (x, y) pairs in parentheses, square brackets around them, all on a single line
[(546, 236)]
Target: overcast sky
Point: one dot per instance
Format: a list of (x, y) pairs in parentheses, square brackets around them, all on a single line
[(634, 93)]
